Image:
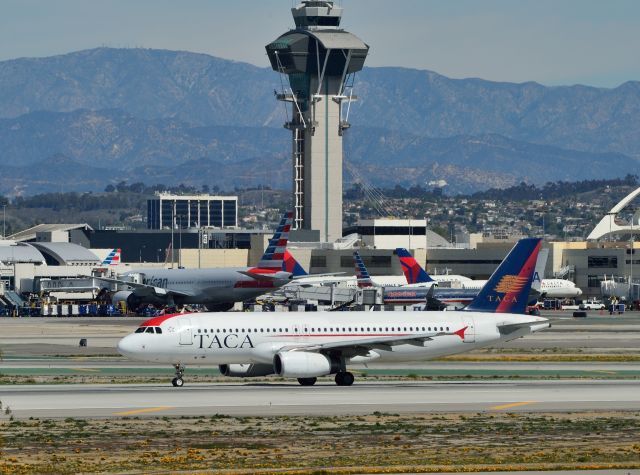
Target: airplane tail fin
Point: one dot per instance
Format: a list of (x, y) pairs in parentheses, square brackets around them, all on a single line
[(362, 274), (507, 290), (289, 264), (113, 258), (413, 271), (273, 257), (538, 274)]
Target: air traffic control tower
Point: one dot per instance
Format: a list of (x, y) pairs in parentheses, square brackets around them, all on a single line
[(320, 60)]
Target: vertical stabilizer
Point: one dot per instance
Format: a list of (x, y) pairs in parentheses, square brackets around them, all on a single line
[(273, 257), (507, 290), (413, 271), (362, 274)]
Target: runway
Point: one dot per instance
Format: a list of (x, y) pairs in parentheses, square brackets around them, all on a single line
[(288, 398)]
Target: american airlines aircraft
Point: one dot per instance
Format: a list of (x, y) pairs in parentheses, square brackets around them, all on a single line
[(551, 288), (218, 289), (308, 345)]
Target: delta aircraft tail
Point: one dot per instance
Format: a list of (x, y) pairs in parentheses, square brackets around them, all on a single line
[(289, 264), (413, 271), (113, 258), (507, 290), (273, 257)]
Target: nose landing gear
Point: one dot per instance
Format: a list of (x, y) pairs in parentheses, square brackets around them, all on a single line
[(178, 382)]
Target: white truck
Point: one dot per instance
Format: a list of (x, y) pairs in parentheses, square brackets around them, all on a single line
[(592, 304)]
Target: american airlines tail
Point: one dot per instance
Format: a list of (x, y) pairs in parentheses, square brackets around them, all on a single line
[(413, 271), (507, 290), (289, 264), (362, 274), (113, 258), (273, 257)]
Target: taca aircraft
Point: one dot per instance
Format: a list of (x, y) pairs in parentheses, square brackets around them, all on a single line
[(306, 346)]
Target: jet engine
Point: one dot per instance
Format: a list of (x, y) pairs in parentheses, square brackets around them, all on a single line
[(303, 364), (126, 296), (246, 370)]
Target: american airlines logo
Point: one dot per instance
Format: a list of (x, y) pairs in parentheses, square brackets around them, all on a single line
[(510, 283), (155, 282)]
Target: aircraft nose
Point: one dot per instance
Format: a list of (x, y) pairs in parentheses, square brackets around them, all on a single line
[(127, 346)]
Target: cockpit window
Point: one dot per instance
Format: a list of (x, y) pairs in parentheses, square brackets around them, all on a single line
[(158, 330), (149, 330), (140, 330)]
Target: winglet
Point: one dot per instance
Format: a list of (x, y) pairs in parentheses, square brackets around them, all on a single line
[(413, 271), (362, 274), (507, 290), (460, 332)]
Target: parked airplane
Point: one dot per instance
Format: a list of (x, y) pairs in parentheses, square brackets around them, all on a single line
[(302, 278), (551, 288), (305, 345), (217, 289)]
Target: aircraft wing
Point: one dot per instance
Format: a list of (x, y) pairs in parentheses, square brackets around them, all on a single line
[(511, 328), (362, 346), (268, 277), (327, 274), (149, 288)]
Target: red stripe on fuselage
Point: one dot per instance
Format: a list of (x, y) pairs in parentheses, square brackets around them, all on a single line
[(157, 321)]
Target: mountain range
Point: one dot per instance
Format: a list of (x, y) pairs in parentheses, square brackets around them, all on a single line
[(86, 119)]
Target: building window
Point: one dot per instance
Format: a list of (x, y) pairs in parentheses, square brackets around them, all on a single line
[(318, 261), (597, 262), (593, 281)]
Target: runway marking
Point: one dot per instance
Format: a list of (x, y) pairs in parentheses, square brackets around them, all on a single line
[(142, 411), (603, 371), (88, 370), (512, 404)]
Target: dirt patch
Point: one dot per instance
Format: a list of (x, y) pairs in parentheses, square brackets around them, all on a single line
[(374, 443)]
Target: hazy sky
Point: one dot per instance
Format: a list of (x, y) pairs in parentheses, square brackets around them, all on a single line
[(595, 42)]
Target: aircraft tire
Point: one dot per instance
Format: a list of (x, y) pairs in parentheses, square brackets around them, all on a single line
[(177, 382), (307, 381), (344, 378)]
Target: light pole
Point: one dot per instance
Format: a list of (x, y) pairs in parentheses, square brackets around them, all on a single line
[(4, 221)]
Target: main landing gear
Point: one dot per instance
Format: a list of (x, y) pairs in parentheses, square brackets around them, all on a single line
[(178, 382), (344, 378), (307, 381)]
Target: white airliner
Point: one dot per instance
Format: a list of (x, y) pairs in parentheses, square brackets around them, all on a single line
[(551, 288), (362, 278), (308, 345)]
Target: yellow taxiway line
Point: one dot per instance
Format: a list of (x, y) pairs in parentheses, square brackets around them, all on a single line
[(142, 411), (512, 404), (88, 370)]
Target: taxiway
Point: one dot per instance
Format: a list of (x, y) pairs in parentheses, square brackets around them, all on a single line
[(287, 398)]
